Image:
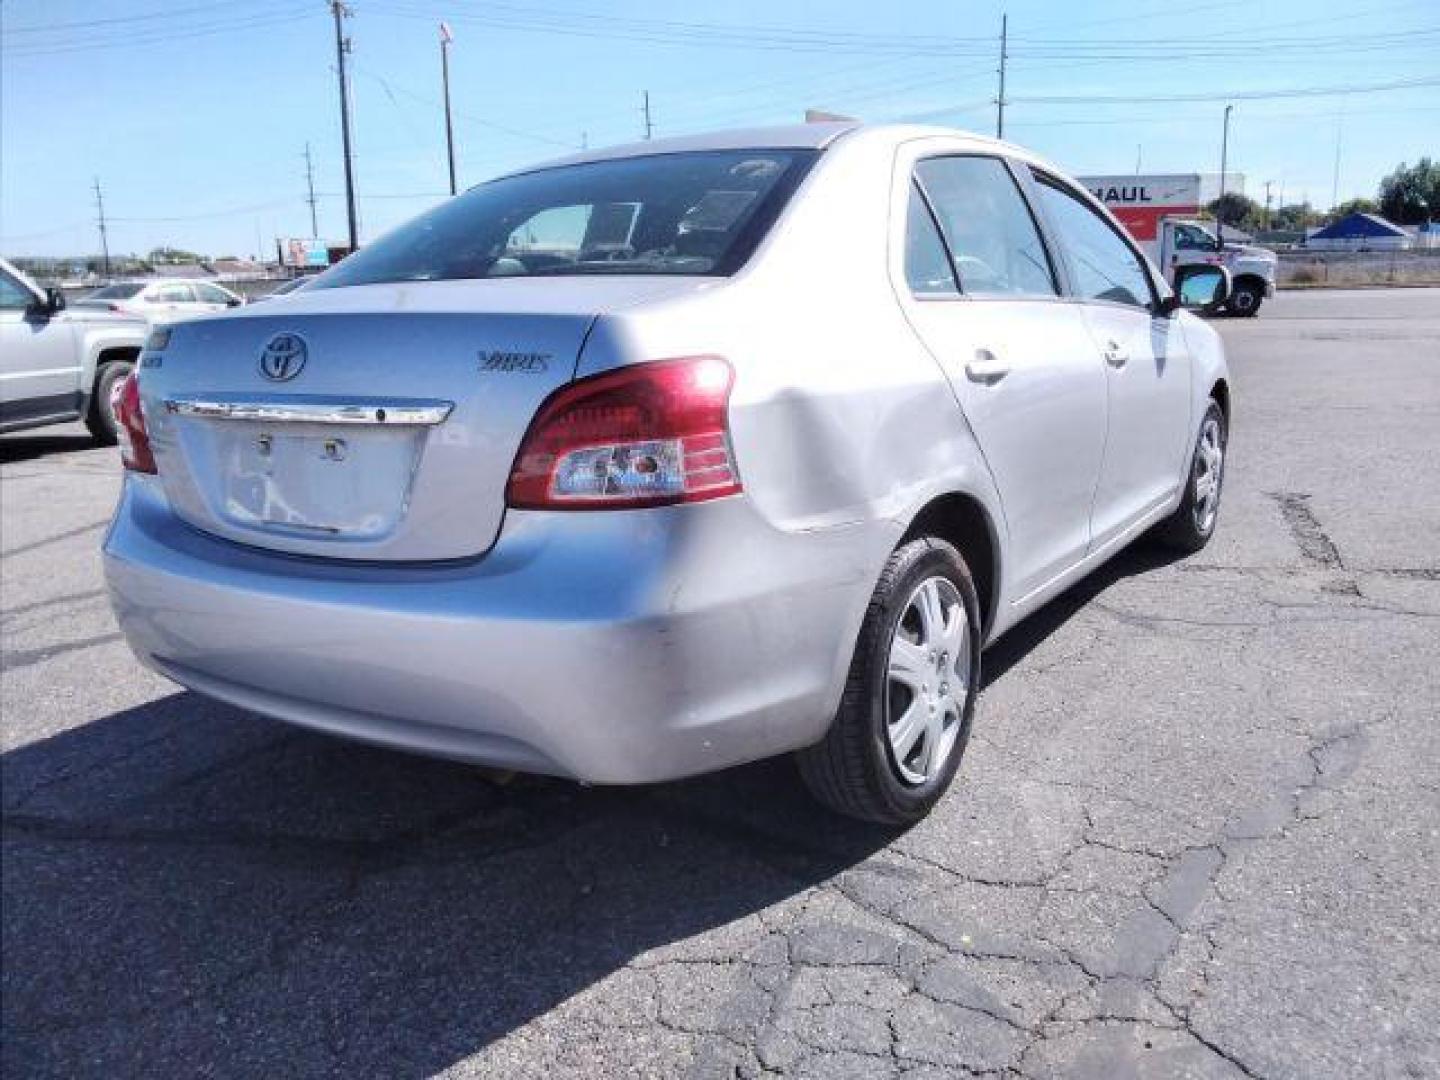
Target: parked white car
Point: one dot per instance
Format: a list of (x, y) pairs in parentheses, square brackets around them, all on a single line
[(667, 457), (164, 300), (59, 364)]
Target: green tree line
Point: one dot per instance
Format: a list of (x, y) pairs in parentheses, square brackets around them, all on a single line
[(1410, 195)]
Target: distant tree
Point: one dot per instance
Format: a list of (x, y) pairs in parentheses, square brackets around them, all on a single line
[(1295, 217), (1354, 206), (1411, 194), (172, 257), (1238, 211)]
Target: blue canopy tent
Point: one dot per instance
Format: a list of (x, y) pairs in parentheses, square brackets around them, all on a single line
[(1359, 232)]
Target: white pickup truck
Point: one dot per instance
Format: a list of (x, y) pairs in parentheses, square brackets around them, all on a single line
[(1160, 213), (58, 364)]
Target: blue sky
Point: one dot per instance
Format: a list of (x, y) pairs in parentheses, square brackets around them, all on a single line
[(195, 115)]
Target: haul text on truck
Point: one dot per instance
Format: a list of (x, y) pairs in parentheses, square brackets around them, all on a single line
[(1161, 213)]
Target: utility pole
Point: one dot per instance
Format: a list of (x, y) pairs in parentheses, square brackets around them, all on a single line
[(1224, 155), (310, 185), (645, 108), (1004, 55), (445, 38), (104, 239), (342, 49), (1267, 204), (1139, 149)]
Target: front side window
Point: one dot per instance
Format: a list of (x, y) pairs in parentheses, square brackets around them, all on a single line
[(1194, 238), (13, 295), (693, 213), (1102, 266), (209, 294), (927, 264), (992, 237)]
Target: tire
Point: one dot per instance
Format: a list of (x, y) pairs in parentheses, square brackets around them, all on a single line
[(856, 769), (99, 419), (1245, 301), (1189, 529)]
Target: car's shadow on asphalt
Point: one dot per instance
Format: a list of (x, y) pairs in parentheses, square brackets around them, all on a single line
[(1140, 558), (15, 448), (192, 890)]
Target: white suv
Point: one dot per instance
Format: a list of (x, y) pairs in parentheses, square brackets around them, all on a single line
[(59, 364)]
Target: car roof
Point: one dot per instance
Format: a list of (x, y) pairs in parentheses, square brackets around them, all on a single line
[(813, 136)]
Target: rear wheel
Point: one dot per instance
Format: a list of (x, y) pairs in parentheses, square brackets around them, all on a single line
[(101, 418), (1245, 301), (904, 721), (1189, 529)]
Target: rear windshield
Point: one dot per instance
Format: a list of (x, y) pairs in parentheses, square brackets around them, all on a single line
[(115, 292), (695, 213)]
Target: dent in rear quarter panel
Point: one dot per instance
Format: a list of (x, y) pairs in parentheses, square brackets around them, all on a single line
[(843, 425)]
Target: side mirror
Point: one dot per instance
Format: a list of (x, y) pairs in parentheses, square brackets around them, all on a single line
[(1200, 288), (234, 301), (54, 300)]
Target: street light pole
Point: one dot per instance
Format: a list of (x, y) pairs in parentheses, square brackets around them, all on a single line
[(342, 47), (1224, 155), (445, 38)]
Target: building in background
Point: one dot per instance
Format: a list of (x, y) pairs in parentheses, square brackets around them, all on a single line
[(1359, 232)]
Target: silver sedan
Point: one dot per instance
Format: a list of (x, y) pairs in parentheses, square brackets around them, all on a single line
[(162, 300), (662, 458)]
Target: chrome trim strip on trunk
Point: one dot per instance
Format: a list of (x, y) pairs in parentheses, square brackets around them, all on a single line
[(413, 412)]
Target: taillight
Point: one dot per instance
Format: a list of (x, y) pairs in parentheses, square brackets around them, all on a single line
[(645, 435), (130, 425)]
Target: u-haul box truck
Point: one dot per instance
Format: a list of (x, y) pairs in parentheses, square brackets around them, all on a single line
[(1160, 212)]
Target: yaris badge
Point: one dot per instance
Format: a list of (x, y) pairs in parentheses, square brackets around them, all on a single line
[(283, 357)]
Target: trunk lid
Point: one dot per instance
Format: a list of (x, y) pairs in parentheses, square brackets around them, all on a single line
[(372, 422)]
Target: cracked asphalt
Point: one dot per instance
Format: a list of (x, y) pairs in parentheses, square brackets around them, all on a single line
[(1197, 832)]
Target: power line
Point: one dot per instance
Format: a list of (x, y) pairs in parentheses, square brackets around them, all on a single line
[(171, 15), (157, 36), (391, 86), (1238, 95)]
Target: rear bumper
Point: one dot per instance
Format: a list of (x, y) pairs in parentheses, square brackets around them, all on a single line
[(610, 647)]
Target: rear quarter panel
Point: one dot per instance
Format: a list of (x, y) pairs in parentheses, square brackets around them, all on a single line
[(843, 425)]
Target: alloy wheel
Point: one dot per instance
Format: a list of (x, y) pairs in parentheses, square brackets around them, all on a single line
[(927, 679), (1208, 473)]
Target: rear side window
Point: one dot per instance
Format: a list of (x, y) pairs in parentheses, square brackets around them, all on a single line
[(992, 236), (173, 294), (1102, 266), (694, 213), (927, 264)]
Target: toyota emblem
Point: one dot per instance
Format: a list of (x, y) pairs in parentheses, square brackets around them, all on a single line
[(283, 357)]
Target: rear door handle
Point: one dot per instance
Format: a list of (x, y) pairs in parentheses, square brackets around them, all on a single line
[(1115, 356), (986, 367)]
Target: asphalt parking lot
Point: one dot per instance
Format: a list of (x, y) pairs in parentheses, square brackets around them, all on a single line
[(1197, 832)]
